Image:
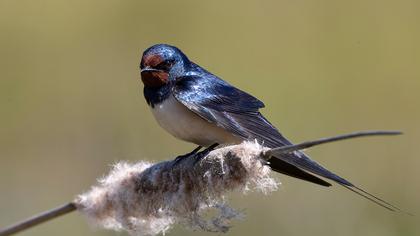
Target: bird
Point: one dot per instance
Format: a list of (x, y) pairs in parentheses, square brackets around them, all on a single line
[(196, 106)]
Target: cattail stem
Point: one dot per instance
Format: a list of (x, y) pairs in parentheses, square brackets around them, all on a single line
[(308, 144), (38, 219)]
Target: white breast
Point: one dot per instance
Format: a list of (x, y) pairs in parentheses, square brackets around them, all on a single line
[(182, 123)]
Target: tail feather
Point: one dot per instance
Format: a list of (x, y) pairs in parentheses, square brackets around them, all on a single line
[(373, 198), (291, 155), (303, 162), (291, 170)]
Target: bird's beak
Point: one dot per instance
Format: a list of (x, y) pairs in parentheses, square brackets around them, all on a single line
[(148, 69), (153, 77)]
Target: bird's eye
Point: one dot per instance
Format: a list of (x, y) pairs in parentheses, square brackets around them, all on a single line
[(165, 65)]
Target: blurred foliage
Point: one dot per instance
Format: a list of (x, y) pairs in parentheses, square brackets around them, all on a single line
[(71, 101)]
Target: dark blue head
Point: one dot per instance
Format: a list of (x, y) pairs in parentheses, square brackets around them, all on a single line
[(162, 63)]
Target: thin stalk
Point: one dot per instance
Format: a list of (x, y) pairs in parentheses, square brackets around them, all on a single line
[(38, 219), (308, 144)]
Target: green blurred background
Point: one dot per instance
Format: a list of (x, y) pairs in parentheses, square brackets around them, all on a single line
[(71, 102)]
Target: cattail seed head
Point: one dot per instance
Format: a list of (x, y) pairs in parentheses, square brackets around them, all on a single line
[(147, 199)]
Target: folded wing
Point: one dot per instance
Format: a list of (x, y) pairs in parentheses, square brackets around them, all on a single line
[(232, 109)]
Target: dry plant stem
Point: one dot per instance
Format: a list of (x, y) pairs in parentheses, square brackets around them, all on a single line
[(69, 207), (38, 219), (308, 144)]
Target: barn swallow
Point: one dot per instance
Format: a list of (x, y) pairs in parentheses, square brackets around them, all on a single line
[(196, 106)]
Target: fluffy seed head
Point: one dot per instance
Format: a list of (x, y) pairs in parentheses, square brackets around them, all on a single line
[(147, 199)]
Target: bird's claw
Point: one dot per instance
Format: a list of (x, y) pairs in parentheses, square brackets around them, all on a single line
[(194, 152), (204, 153)]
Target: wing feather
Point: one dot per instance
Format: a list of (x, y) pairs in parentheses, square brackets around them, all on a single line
[(230, 108)]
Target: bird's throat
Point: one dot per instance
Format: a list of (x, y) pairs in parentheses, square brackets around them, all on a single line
[(155, 95)]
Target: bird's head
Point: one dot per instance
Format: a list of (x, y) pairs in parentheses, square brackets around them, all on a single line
[(161, 63)]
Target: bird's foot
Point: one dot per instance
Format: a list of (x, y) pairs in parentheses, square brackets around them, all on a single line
[(178, 159), (204, 153)]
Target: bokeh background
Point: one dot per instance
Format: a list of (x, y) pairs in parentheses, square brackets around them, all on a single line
[(71, 102)]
